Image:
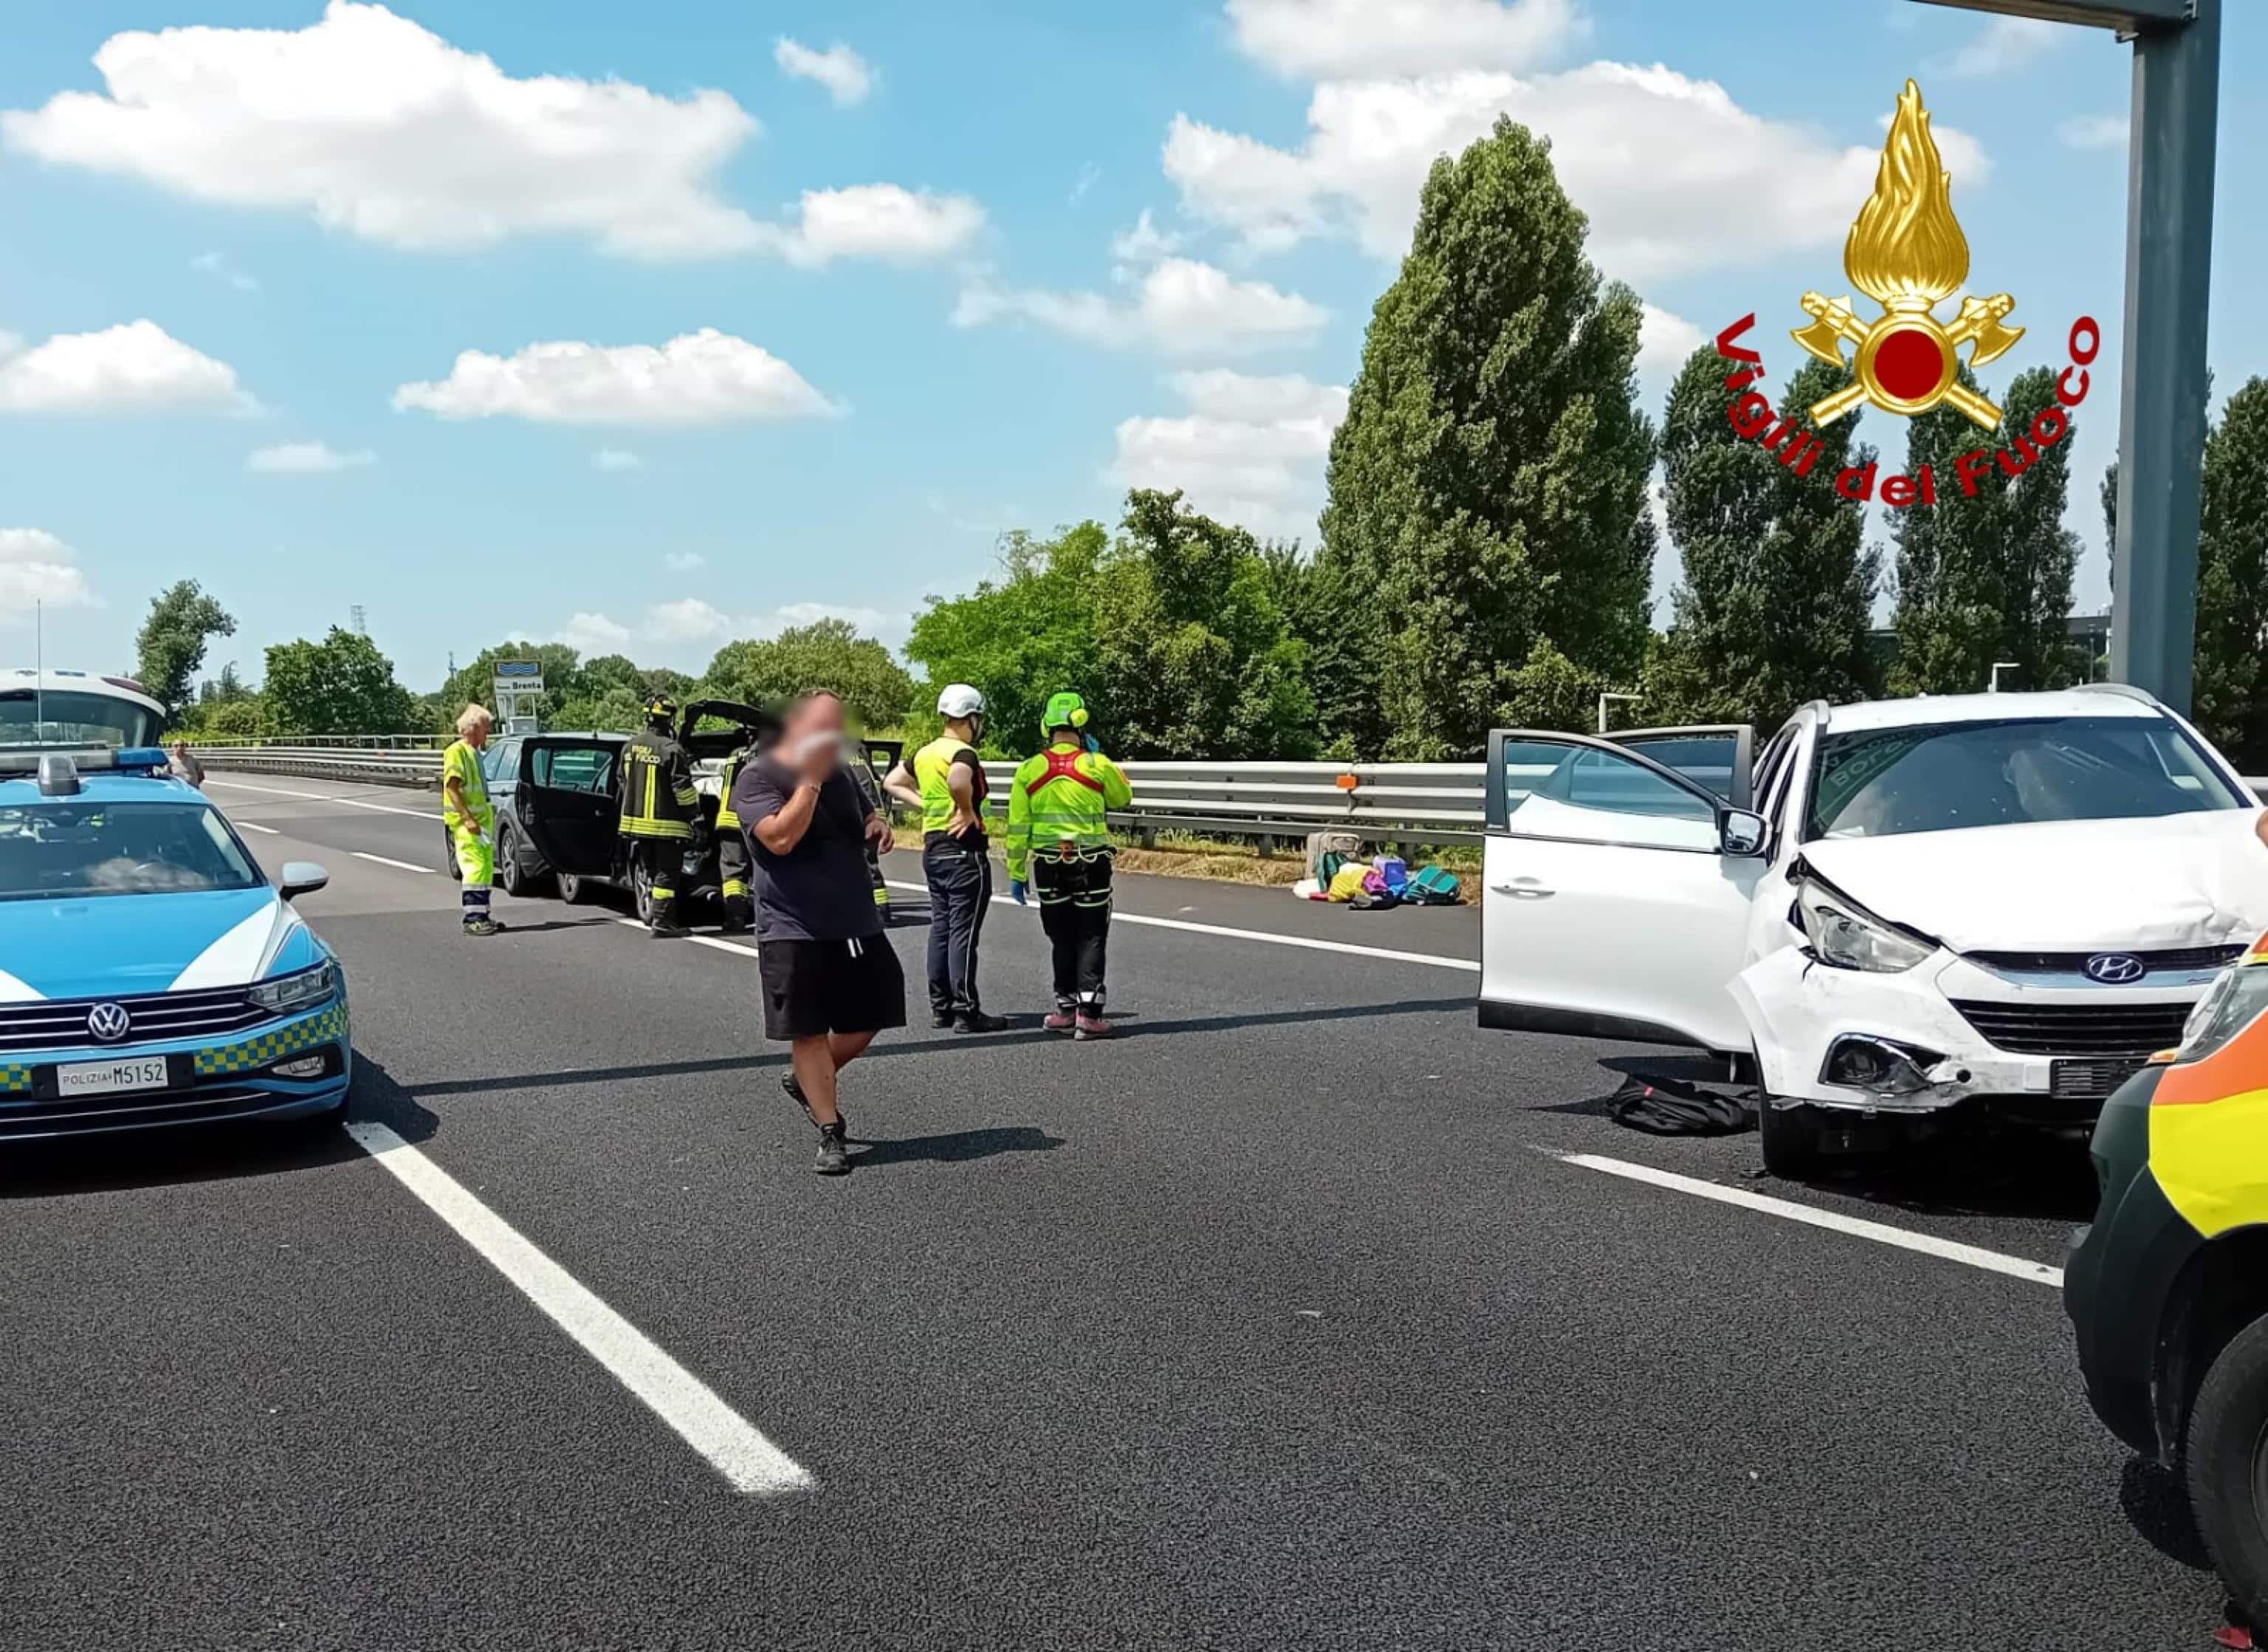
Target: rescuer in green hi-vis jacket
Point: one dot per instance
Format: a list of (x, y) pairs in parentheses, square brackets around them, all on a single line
[(1059, 845)]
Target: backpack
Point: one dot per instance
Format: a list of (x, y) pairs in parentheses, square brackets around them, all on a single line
[(1393, 871), (1327, 842), (1327, 866), (1431, 885), (1346, 882)]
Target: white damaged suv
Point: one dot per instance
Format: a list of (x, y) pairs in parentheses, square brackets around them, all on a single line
[(1901, 906)]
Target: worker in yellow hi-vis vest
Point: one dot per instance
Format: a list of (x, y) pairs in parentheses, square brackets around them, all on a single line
[(1059, 845), (470, 817), (945, 780), (660, 812), (732, 861)]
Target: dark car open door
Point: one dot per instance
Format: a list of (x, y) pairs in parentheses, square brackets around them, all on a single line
[(566, 803), (1719, 756), (741, 722)]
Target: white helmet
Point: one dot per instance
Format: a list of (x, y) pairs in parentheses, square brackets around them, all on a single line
[(959, 700)]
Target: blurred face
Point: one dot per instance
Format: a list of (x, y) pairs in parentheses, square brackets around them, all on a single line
[(821, 716), (478, 736)]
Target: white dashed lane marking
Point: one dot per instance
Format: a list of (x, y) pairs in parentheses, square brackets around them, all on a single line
[(730, 1442), (381, 861)]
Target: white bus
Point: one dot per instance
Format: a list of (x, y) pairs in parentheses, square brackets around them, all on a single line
[(76, 708)]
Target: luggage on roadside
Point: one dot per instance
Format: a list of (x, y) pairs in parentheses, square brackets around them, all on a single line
[(1431, 885), (1331, 840), (1393, 871), (1347, 882)]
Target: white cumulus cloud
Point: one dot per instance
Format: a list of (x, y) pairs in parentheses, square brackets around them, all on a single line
[(384, 130), (1664, 341), (135, 367), (1248, 450), (304, 458), (1182, 307), (847, 76), (2003, 46), (2094, 131), (1146, 243), (1662, 163), (1324, 38), (593, 634), (689, 619), (700, 377), (874, 220), (37, 568)]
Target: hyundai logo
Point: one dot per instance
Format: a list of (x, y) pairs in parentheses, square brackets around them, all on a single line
[(109, 1022), (2116, 969)]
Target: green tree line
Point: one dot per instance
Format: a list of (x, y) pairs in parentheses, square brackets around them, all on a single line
[(1486, 557)]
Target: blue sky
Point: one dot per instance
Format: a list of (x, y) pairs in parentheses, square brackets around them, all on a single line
[(980, 269)]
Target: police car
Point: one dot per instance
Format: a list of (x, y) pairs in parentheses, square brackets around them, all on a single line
[(149, 973)]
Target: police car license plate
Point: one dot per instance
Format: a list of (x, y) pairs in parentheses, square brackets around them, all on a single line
[(103, 1078)]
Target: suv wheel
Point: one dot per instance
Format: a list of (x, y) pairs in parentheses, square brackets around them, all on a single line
[(641, 891), (1790, 1139), (575, 890), (2227, 1466)]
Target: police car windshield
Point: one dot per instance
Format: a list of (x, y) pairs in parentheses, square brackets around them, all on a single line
[(65, 718), (90, 848), (1886, 782)]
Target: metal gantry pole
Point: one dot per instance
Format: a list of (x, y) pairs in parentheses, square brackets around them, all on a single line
[(2163, 380)]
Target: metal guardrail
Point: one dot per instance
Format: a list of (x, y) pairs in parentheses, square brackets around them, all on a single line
[(1417, 802), (1406, 802)]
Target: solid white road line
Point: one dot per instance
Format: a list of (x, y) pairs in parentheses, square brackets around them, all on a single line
[(1468, 965), (254, 826), (689, 1406), (433, 813), (709, 941), (399, 866), (1881, 1232)]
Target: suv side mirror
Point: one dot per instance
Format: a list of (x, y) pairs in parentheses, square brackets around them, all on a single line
[(1742, 833), (301, 877)]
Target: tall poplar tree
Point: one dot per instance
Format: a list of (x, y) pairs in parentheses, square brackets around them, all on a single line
[(1776, 591), (1986, 578), (1486, 485)]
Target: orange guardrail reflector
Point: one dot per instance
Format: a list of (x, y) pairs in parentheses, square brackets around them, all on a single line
[(1348, 782)]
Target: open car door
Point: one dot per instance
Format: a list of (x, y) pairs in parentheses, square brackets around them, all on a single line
[(1616, 895), (566, 803), (1720, 755)]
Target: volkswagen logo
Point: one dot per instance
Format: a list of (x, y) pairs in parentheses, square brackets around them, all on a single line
[(2116, 969), (109, 1022)]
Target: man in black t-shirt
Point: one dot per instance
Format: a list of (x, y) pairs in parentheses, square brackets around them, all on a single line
[(831, 978)]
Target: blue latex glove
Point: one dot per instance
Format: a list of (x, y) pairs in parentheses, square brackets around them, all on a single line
[(1017, 890)]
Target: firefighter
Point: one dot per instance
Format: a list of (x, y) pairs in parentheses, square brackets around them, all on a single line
[(1059, 845), (732, 863), (660, 812)]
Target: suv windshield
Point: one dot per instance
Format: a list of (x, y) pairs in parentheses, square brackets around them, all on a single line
[(1884, 782), (107, 848)]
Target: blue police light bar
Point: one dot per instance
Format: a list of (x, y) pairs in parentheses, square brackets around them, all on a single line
[(26, 759)]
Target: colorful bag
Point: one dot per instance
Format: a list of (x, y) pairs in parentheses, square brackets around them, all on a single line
[(1431, 885), (1393, 870), (1346, 882)]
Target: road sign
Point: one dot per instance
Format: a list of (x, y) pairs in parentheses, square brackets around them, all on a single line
[(519, 686)]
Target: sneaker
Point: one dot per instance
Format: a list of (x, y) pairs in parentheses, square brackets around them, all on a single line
[(1090, 1024), (1060, 1021), (834, 1159), (795, 1094), (941, 1019), (482, 926), (978, 1021)]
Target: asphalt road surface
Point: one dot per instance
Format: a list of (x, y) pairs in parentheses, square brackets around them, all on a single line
[(1305, 1315)]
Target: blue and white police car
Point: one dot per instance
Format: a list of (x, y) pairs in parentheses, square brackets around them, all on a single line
[(149, 973)]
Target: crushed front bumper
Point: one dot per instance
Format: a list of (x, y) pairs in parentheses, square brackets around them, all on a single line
[(207, 1080), (1799, 1009)]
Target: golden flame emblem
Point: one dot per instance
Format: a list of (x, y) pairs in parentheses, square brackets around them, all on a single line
[(1907, 253)]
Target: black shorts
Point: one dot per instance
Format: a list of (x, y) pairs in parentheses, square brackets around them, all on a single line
[(824, 986)]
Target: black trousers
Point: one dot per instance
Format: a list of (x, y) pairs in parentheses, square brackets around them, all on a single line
[(959, 888), (671, 865), (1075, 915)]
